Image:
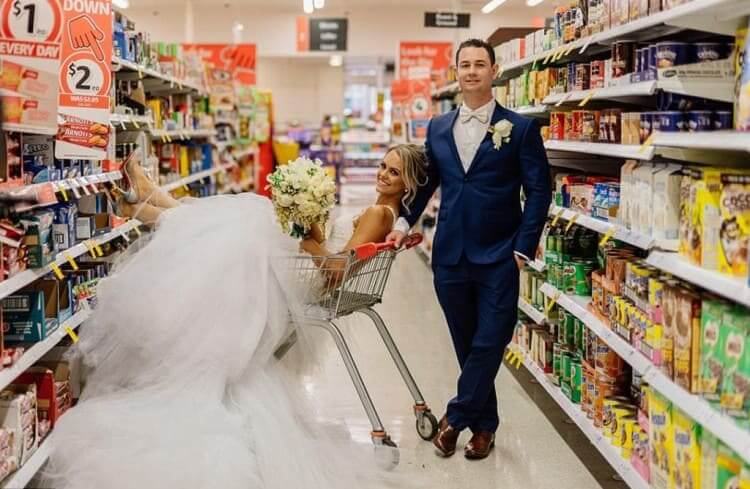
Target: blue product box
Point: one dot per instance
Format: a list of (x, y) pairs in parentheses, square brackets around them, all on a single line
[(31, 314), (38, 238), (65, 303), (64, 227), (206, 150)]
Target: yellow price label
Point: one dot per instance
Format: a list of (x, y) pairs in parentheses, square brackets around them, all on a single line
[(72, 334), (140, 73), (185, 188), (137, 231), (90, 247), (179, 84), (546, 58), (56, 270), (514, 358), (500, 71), (647, 144), (552, 302), (98, 249), (557, 217), (571, 221), (71, 261), (586, 100), (135, 123), (607, 236), (163, 138), (570, 49), (169, 138)]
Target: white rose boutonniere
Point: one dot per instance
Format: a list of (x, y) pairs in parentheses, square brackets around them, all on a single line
[(501, 132)]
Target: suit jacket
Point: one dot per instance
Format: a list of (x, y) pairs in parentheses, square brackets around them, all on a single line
[(480, 210)]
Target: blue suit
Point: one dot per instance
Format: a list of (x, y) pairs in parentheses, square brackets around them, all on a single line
[(480, 226)]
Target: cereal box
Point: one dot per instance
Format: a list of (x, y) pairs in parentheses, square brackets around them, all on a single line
[(686, 327), (661, 441), (666, 208), (709, 454), (687, 451), (735, 223), (706, 218), (728, 468), (686, 211), (712, 364), (735, 385)]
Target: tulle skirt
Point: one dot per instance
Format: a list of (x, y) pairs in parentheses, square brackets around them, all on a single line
[(184, 390)]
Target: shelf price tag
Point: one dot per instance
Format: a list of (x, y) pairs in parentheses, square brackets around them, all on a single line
[(514, 357), (571, 221), (61, 188), (586, 100), (140, 72), (71, 261), (646, 144), (137, 230), (124, 235), (607, 236), (564, 99), (90, 247), (546, 58), (169, 138), (98, 250), (135, 123), (585, 46), (122, 125), (553, 300), (560, 54), (570, 49), (72, 334), (185, 187), (56, 270), (557, 217)]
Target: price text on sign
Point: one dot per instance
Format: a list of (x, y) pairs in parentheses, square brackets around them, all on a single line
[(31, 20), (83, 76)]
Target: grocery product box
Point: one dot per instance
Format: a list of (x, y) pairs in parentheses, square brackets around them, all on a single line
[(18, 414), (31, 314), (734, 242), (666, 201), (52, 380), (88, 227), (735, 386), (39, 238)]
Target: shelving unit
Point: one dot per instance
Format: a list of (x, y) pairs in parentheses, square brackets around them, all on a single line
[(642, 89), (535, 315), (623, 468), (26, 277), (23, 476), (714, 140), (122, 121), (182, 135), (155, 81), (533, 110), (603, 227), (623, 151), (195, 177), (537, 265), (696, 407), (13, 127)]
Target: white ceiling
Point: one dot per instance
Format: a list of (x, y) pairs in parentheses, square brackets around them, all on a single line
[(432, 5)]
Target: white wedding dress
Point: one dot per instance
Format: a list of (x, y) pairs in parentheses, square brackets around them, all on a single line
[(184, 390)]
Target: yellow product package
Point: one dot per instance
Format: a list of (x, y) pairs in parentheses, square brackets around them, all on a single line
[(728, 468), (745, 477), (735, 223), (661, 441), (706, 218), (687, 451), (709, 454), (686, 211)]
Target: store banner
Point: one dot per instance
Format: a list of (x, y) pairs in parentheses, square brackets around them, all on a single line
[(412, 99), (85, 79), (239, 60), (29, 63), (424, 60), (327, 35)]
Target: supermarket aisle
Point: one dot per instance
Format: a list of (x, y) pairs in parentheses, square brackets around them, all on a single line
[(530, 452)]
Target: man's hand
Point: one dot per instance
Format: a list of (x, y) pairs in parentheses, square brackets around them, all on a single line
[(397, 237), (520, 262)]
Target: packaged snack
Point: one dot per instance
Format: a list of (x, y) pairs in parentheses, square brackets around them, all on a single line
[(687, 451), (728, 468), (706, 218), (687, 341), (709, 454), (666, 203), (745, 477), (735, 223), (735, 385), (661, 441), (712, 357)]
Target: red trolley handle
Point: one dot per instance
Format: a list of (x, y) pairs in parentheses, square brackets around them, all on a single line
[(368, 250)]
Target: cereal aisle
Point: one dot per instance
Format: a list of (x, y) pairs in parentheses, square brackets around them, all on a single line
[(133, 134)]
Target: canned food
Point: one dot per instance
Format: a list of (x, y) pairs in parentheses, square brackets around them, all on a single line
[(708, 51), (670, 121), (670, 54), (723, 119), (699, 121)]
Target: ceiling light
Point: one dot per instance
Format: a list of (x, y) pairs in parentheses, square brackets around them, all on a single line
[(307, 6), (492, 5), (241, 27), (319, 4), (336, 60), (121, 3), (533, 3)]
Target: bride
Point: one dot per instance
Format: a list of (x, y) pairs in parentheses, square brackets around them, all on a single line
[(184, 389)]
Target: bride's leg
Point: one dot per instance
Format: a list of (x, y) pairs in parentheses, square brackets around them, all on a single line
[(143, 211), (147, 190)]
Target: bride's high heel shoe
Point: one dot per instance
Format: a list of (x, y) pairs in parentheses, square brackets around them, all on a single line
[(142, 189)]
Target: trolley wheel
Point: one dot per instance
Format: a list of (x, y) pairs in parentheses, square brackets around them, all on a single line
[(427, 425)]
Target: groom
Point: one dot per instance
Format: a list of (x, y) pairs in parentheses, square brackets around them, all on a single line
[(480, 155)]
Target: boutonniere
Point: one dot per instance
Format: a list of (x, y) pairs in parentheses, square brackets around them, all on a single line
[(501, 132)]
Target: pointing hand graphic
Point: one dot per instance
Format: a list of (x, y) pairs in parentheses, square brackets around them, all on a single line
[(84, 33)]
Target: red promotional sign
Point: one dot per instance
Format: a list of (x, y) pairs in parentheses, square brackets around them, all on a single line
[(237, 59), (85, 79), (412, 99), (420, 60), (29, 62)]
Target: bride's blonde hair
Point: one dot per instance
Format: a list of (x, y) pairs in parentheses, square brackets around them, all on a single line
[(414, 174)]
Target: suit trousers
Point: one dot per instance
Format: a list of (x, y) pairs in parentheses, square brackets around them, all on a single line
[(480, 303)]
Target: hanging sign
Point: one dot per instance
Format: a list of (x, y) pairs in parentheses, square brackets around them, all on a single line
[(424, 60), (411, 99), (447, 20), (322, 34), (29, 63), (85, 79), (237, 59)]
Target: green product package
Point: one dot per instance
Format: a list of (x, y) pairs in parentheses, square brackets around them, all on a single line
[(712, 364), (709, 453), (735, 385), (728, 468)]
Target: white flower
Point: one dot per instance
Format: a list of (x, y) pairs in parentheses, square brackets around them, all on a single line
[(501, 132)]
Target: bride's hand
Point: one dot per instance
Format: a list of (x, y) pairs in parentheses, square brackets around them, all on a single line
[(316, 233)]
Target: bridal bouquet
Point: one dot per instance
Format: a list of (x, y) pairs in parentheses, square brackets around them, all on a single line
[(303, 194)]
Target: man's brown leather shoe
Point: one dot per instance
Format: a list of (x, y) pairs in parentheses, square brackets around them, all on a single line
[(480, 445), (446, 438)]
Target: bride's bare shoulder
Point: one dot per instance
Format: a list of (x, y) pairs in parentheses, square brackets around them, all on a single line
[(376, 212)]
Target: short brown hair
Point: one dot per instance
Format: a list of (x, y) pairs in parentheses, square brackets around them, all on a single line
[(477, 43)]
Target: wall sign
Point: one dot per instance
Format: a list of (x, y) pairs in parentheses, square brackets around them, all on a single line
[(424, 60), (322, 34), (85, 79), (237, 59), (447, 19)]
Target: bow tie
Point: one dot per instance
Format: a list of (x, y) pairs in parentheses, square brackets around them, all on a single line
[(467, 114)]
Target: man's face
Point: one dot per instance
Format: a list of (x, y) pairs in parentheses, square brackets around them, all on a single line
[(475, 72)]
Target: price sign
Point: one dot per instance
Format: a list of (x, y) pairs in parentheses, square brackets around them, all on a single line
[(31, 20), (84, 76)]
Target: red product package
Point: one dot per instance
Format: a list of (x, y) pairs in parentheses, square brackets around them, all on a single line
[(84, 133)]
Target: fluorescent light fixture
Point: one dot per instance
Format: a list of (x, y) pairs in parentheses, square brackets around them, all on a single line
[(307, 6), (533, 3), (492, 5), (123, 4), (336, 60), (319, 4)]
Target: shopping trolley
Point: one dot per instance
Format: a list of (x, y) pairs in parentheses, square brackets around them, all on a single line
[(339, 285)]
